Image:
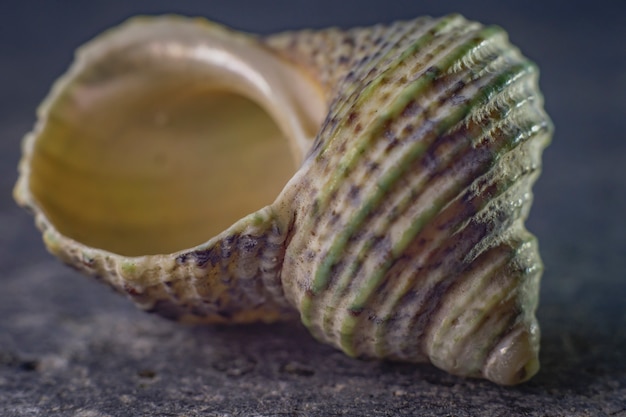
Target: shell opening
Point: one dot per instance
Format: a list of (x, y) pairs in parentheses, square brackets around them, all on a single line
[(153, 147)]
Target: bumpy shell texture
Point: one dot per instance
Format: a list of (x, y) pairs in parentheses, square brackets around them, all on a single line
[(401, 234)]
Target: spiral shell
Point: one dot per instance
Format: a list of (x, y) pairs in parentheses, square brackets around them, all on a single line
[(401, 234)]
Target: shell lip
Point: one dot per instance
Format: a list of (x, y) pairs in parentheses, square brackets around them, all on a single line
[(64, 246)]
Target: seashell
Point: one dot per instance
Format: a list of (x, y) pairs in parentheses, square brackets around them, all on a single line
[(373, 181)]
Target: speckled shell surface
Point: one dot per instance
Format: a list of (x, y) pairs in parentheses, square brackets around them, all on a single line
[(401, 235)]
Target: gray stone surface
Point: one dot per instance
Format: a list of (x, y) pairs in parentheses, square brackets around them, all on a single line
[(70, 347)]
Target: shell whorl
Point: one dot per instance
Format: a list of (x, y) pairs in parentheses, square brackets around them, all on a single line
[(402, 233), (410, 243)]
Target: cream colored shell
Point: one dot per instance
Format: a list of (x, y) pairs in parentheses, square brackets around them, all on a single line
[(381, 177)]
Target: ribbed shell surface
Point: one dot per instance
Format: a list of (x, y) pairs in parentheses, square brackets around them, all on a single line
[(408, 241)]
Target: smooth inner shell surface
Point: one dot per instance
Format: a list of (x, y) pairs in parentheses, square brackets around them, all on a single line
[(153, 146), (159, 171)]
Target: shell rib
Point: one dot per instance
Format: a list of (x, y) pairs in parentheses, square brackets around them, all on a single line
[(402, 233), (410, 244)]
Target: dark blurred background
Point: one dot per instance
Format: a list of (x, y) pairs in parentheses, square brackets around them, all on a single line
[(579, 213)]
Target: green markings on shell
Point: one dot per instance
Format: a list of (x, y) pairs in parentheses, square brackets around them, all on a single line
[(400, 236), (415, 202)]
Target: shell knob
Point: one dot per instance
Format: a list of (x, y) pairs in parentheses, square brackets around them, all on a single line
[(372, 181)]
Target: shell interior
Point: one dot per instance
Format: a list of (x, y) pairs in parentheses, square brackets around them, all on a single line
[(141, 178), (141, 159)]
